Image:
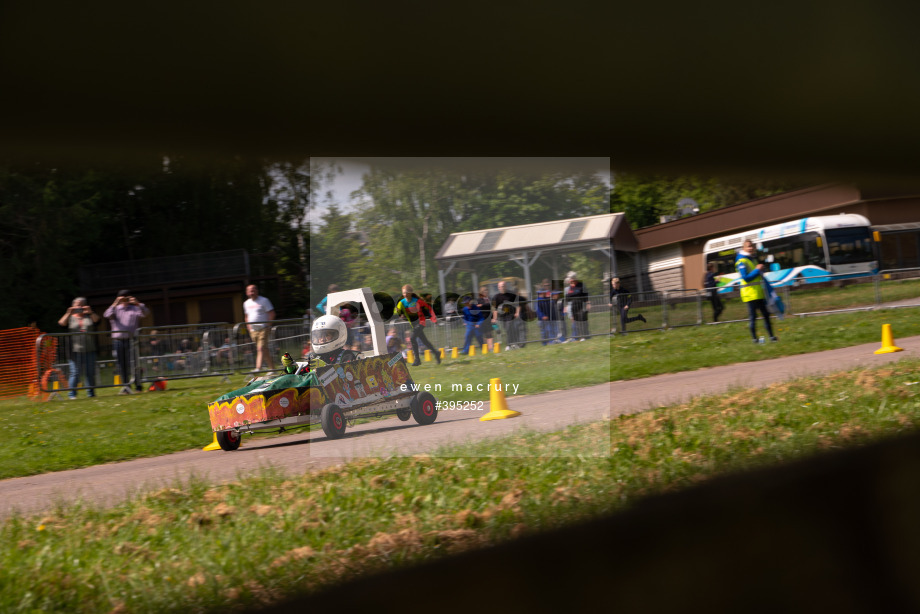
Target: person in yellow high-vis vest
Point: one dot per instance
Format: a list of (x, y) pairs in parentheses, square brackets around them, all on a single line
[(752, 289)]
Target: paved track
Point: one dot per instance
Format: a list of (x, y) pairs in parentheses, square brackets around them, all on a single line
[(107, 484)]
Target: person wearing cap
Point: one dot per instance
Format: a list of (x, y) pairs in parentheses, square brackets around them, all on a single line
[(125, 316)]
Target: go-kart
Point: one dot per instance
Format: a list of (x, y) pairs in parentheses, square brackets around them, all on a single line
[(331, 395)]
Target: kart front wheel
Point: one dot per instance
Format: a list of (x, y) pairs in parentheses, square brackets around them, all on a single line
[(333, 421), (424, 408), (229, 440)]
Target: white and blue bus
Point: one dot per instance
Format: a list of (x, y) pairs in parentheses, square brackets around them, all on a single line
[(812, 249)]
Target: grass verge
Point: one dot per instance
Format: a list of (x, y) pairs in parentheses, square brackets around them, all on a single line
[(58, 435), (202, 548)]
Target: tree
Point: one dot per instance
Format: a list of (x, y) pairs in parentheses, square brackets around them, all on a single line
[(408, 214), (54, 219), (645, 198), (335, 254)]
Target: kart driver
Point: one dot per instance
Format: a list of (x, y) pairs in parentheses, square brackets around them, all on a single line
[(329, 336)]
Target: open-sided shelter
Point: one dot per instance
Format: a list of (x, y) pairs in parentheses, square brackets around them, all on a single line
[(608, 234)]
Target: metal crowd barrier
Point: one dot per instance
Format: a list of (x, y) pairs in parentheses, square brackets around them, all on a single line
[(223, 349), (284, 336), (178, 352)]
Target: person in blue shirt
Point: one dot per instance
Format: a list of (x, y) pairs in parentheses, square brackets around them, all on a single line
[(321, 306), (474, 317), (753, 292), (547, 314)]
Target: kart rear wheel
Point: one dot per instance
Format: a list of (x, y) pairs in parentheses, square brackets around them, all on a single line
[(333, 420), (404, 413), (229, 440), (424, 408)]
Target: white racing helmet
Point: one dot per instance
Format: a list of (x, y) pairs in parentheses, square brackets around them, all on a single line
[(328, 334)]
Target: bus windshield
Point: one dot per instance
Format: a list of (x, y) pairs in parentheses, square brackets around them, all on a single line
[(849, 245)]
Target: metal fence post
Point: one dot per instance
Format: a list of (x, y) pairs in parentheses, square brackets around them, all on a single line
[(664, 308)]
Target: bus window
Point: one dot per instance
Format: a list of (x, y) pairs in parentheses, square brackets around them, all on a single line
[(849, 245), (795, 251), (724, 261)]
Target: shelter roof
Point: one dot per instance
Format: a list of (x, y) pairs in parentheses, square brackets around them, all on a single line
[(556, 235)]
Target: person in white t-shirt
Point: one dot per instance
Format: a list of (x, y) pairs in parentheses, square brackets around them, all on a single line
[(259, 312)]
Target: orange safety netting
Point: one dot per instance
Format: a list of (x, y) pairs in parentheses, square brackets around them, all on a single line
[(19, 372)]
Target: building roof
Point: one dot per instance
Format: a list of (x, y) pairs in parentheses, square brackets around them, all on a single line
[(556, 235), (822, 199)]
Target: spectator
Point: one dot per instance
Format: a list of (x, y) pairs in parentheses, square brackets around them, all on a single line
[(562, 308), (407, 338), (259, 313), (307, 349), (547, 314), (484, 306), (394, 343), (620, 297), (155, 349), (321, 306), (474, 318), (527, 315), (351, 321), (222, 355), (752, 289), (413, 307), (81, 319), (577, 297), (184, 354), (711, 286), (507, 311), (451, 311), (124, 316)]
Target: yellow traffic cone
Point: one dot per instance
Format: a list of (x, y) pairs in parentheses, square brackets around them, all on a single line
[(410, 357), (427, 355), (117, 381), (472, 350), (443, 355), (888, 345), (485, 348), (496, 348), (498, 407), (213, 445), (454, 353)]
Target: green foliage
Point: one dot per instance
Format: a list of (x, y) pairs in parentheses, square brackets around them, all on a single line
[(644, 199), (53, 219), (252, 542), (60, 435), (408, 215), (335, 255)]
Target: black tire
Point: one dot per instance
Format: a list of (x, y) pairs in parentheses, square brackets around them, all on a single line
[(404, 413), (229, 440), (424, 408), (333, 421)]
